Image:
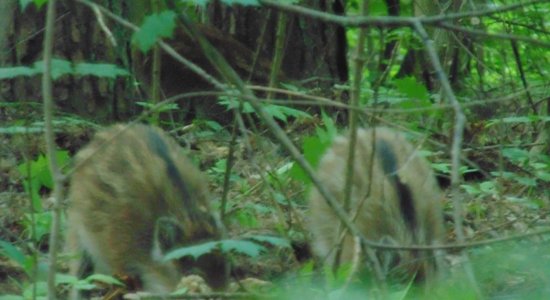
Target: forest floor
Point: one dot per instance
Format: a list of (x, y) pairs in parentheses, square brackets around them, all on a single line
[(279, 208)]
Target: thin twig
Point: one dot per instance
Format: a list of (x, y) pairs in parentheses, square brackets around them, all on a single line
[(167, 48), (460, 120), (57, 176), (217, 60), (104, 27), (279, 134), (501, 36), (390, 21)]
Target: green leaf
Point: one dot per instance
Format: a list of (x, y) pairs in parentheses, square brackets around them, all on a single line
[(180, 292), (10, 251), (275, 241), (40, 171), (518, 119), (488, 187), (330, 131), (526, 181), (543, 175), (470, 189), (84, 285), (417, 93), (59, 67), (61, 278), (12, 72), (100, 70), (62, 157), (43, 221), (213, 125), (194, 251), (158, 108), (281, 112), (201, 3), (41, 290), (378, 8), (240, 246), (313, 147), (24, 3), (154, 27), (248, 248), (246, 219), (13, 130), (12, 297), (104, 279), (515, 154), (232, 103), (444, 168), (242, 2)]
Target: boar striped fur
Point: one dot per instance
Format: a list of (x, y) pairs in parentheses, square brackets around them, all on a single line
[(395, 199), (129, 183)]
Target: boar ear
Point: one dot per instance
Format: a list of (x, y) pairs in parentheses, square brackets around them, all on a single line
[(168, 232)]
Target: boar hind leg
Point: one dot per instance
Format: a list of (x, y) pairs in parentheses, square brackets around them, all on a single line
[(78, 261)]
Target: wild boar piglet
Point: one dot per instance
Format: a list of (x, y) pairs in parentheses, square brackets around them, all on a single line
[(134, 196), (395, 199)]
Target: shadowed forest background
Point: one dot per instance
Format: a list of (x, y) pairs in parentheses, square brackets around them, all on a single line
[(252, 91)]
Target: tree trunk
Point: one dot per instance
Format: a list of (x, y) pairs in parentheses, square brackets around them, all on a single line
[(315, 52)]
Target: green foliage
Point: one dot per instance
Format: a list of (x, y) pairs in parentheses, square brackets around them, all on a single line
[(203, 3), (40, 175), (152, 107), (518, 119), (38, 127), (62, 67), (484, 189), (218, 171), (24, 3), (538, 167), (13, 130), (314, 147), (155, 26), (41, 290), (59, 67), (279, 112), (417, 94), (28, 264), (12, 297), (12, 72), (194, 251), (99, 70), (445, 168), (88, 283), (13, 253), (275, 241), (251, 247), (248, 248), (42, 224), (246, 217), (499, 269), (338, 278), (104, 279)]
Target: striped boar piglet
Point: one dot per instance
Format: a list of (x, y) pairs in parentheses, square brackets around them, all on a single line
[(133, 196), (395, 199)]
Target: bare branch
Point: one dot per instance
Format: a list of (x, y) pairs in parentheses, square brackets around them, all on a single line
[(51, 148), (167, 48), (502, 36), (390, 21), (460, 120)]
